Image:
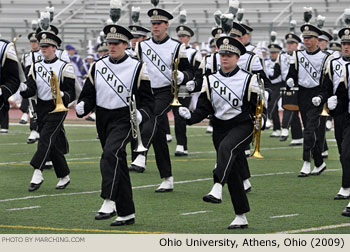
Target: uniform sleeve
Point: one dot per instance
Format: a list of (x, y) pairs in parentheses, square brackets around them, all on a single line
[(293, 68), (327, 85), (88, 94), (144, 96), (10, 73), (185, 66), (276, 71), (68, 84), (251, 96), (65, 56), (204, 106), (31, 84), (257, 68)]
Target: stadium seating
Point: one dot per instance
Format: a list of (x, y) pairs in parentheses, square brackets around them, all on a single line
[(82, 20)]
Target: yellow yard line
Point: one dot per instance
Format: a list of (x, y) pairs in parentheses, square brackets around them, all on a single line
[(80, 230)]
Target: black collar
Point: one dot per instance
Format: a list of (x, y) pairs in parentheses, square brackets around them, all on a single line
[(162, 41), (314, 52), (347, 59), (116, 61), (229, 74), (51, 61)]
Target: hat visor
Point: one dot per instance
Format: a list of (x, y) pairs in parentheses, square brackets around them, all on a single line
[(46, 44), (115, 41), (33, 40), (227, 52), (345, 41), (309, 36), (157, 21)]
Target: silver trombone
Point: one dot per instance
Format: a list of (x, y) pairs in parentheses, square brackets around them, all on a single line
[(135, 128)]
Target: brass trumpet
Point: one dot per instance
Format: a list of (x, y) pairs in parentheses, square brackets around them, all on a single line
[(324, 111), (174, 86), (258, 120), (135, 128), (56, 94)]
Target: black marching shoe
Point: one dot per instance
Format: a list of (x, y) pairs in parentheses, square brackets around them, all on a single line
[(341, 197), (237, 226), (33, 187), (303, 175), (210, 198), (104, 216), (283, 138), (346, 212), (136, 168), (123, 223)]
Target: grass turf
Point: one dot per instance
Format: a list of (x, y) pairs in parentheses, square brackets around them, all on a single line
[(276, 190)]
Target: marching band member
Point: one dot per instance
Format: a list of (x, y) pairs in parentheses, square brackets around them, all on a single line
[(274, 73), (184, 34), (334, 93), (307, 70), (159, 52), (112, 82), (290, 118), (53, 143), (230, 94), (9, 80)]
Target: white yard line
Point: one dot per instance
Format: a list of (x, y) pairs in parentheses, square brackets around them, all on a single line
[(314, 229), (192, 213), (284, 216), (23, 208), (137, 187)]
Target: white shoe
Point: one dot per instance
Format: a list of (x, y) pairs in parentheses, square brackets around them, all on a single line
[(209, 129), (325, 154), (63, 182), (24, 118), (124, 220), (276, 133), (169, 138), (34, 135), (305, 170), (344, 191), (239, 222), (319, 170), (180, 151), (37, 177), (268, 124), (216, 192), (247, 185), (295, 142), (4, 131), (284, 133), (108, 206), (167, 185)]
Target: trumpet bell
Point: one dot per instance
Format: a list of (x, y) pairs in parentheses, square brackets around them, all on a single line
[(324, 112), (175, 103), (140, 148), (59, 108), (257, 154)]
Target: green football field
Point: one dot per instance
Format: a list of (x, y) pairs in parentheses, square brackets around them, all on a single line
[(279, 200)]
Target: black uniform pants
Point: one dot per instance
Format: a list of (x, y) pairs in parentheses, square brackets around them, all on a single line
[(273, 105), (154, 131), (342, 136), (24, 105), (229, 144), (115, 132), (4, 115), (52, 144), (291, 119), (33, 124), (180, 122), (310, 115)]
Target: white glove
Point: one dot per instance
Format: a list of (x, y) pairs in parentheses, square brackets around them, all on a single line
[(290, 82), (0, 92), (22, 87), (316, 101), (180, 77), (184, 113), (332, 102), (139, 116), (190, 86), (258, 125), (270, 72), (79, 108), (62, 94)]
